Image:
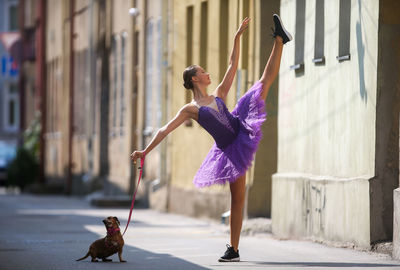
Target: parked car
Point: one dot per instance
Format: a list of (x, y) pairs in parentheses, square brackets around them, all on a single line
[(8, 152)]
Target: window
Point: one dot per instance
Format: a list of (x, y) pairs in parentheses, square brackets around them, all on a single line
[(344, 30), (136, 50), (149, 78), (135, 63), (49, 97), (80, 93), (11, 107), (122, 96), (245, 37), (223, 37), (159, 75), (114, 82), (13, 88), (189, 43), (55, 96), (13, 17), (11, 112), (299, 36), (203, 34), (189, 51), (319, 57)]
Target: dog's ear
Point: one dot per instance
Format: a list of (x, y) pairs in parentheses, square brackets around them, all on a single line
[(116, 219)]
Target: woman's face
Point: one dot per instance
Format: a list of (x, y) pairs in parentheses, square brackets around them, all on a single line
[(202, 77)]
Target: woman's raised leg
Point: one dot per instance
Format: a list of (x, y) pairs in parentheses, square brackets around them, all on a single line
[(271, 69)]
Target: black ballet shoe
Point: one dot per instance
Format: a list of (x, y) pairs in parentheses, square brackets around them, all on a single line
[(280, 30)]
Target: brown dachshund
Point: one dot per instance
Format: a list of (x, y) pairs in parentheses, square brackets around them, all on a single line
[(108, 245)]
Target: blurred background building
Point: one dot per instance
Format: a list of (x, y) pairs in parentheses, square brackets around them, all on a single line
[(9, 96), (101, 82), (9, 88)]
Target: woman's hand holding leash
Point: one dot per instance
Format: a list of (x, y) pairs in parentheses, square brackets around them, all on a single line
[(137, 154)]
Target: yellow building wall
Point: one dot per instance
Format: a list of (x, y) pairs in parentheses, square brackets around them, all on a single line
[(189, 145)]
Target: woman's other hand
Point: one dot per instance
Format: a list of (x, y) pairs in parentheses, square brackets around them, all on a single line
[(243, 26)]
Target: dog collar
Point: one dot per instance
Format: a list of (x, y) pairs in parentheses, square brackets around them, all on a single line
[(112, 231)]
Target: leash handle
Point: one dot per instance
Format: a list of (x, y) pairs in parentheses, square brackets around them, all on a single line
[(134, 194)]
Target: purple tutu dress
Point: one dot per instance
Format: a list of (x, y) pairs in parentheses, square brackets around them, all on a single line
[(236, 135)]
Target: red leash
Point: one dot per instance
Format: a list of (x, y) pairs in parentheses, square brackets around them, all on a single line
[(134, 195)]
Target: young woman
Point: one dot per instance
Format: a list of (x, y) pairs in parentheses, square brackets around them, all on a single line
[(236, 133)]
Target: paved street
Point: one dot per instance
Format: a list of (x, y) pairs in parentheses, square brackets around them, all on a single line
[(51, 232)]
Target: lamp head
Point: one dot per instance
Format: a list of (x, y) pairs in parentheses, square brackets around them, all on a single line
[(134, 12)]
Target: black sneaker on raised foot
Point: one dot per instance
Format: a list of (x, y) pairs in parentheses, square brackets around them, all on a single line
[(230, 255), (280, 30)]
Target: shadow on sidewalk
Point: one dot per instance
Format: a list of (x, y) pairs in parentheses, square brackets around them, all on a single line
[(42, 234)]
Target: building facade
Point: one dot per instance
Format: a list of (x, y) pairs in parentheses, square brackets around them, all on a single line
[(89, 94), (101, 93), (338, 122)]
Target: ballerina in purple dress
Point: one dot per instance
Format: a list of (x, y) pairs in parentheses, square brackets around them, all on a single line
[(236, 133)]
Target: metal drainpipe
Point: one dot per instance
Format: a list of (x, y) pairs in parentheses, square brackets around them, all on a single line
[(143, 78), (134, 89), (164, 93), (144, 30), (71, 95), (91, 92)]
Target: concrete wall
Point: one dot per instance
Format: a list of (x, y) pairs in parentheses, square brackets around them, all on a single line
[(326, 128), (387, 123)]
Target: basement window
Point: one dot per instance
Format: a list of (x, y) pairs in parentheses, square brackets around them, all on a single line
[(299, 36), (344, 30), (319, 40)]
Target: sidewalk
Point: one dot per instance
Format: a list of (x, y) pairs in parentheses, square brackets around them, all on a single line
[(51, 232)]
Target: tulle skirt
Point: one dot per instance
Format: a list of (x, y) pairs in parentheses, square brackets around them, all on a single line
[(221, 166)]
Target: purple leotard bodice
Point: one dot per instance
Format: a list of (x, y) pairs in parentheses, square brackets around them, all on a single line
[(222, 125)]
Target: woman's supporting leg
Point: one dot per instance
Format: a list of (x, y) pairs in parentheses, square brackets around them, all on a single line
[(271, 70), (238, 192)]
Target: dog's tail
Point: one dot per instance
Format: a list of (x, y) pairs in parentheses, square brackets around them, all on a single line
[(87, 255)]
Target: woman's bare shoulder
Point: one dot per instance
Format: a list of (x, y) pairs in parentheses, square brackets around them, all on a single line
[(191, 109)]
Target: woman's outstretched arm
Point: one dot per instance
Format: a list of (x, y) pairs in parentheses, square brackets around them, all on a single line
[(180, 117), (223, 88)]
